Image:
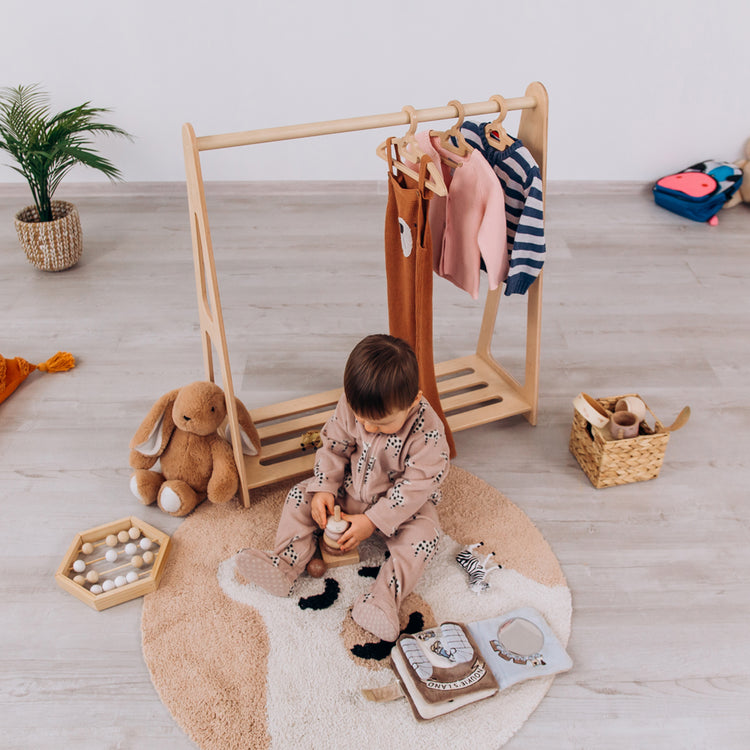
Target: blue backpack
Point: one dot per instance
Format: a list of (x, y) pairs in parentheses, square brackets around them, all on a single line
[(698, 192)]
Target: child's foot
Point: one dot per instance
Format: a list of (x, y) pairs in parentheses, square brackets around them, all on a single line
[(381, 623), (265, 570)]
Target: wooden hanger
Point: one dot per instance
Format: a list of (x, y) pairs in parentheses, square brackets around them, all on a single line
[(409, 154), (461, 147), (494, 131)]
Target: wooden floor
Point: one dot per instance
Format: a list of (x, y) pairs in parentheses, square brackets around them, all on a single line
[(635, 300)]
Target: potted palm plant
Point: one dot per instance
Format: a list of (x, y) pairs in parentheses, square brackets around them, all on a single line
[(45, 147)]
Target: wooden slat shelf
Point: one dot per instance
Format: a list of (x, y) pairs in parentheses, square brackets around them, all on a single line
[(465, 406)]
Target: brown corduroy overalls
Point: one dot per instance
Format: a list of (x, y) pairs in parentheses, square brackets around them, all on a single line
[(408, 267)]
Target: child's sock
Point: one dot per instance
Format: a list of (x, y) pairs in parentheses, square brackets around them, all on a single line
[(266, 570), (377, 617)]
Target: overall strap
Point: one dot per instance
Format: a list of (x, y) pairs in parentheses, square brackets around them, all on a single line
[(424, 163), (389, 154)]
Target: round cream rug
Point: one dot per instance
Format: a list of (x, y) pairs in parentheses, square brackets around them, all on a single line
[(239, 668)]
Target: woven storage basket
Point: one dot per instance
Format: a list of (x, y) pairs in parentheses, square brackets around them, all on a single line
[(607, 462), (51, 245)]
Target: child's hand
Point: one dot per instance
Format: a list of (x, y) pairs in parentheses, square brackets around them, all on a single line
[(361, 528), (321, 506)]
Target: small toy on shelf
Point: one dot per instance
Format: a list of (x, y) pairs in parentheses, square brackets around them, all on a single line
[(181, 431), (100, 570), (310, 439)]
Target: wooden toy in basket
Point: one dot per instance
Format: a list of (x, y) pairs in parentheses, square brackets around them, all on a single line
[(114, 563), (608, 461)]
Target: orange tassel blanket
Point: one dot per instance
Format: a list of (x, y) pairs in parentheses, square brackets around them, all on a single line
[(14, 371)]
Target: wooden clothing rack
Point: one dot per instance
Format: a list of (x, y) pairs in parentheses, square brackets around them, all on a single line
[(473, 390)]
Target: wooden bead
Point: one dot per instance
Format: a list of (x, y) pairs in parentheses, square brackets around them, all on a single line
[(87, 548), (316, 567), (92, 576), (134, 532), (148, 557), (123, 536), (136, 561), (79, 579), (111, 540)]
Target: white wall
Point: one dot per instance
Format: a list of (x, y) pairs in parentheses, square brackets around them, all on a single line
[(637, 87)]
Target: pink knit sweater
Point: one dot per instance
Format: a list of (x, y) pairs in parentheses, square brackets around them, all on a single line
[(469, 222)]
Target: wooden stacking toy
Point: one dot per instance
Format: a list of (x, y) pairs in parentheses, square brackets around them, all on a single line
[(329, 548)]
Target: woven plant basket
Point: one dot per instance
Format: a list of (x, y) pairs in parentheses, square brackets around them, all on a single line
[(51, 245), (607, 462)]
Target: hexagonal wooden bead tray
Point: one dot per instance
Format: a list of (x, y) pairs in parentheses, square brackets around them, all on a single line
[(114, 563)]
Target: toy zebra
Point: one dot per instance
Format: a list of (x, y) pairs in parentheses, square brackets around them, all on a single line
[(476, 569)]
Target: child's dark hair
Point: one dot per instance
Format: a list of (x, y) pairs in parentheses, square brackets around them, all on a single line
[(381, 376)]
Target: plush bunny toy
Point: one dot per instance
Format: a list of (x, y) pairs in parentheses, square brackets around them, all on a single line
[(181, 432)]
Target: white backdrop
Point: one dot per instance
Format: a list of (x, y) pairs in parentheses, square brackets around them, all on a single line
[(637, 88)]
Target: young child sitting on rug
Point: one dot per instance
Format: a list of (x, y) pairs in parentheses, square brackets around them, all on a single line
[(383, 459)]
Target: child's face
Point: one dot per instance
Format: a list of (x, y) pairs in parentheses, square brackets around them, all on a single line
[(391, 423)]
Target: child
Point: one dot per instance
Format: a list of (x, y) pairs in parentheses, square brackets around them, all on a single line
[(383, 459)]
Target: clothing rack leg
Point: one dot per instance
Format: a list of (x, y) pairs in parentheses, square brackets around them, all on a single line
[(533, 348), (209, 303), (533, 133)]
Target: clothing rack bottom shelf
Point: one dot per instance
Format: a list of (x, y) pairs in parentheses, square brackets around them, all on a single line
[(472, 392)]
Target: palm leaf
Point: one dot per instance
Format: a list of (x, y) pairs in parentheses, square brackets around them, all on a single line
[(45, 146)]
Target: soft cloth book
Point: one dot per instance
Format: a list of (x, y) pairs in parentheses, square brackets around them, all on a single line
[(441, 669), (519, 646), (454, 664)]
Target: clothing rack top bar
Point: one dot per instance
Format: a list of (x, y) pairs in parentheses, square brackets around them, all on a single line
[(346, 125)]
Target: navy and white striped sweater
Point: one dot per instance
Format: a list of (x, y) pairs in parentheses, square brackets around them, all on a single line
[(524, 206)]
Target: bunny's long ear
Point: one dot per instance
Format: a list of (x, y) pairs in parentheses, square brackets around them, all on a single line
[(248, 431), (152, 436)]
